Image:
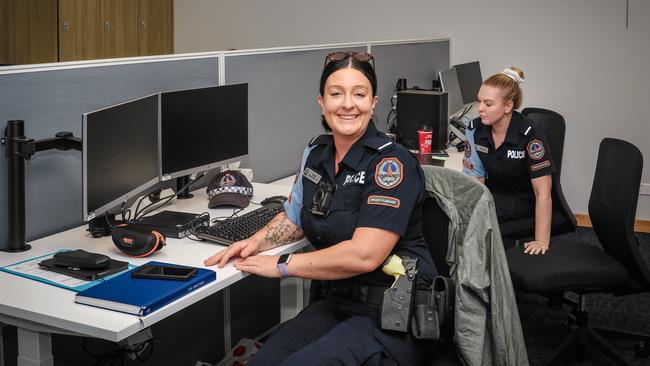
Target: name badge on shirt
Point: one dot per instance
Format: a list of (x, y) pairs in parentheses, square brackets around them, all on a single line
[(482, 149), (312, 175)]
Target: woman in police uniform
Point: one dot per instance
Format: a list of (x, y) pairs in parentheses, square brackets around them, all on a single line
[(358, 199), (510, 154)]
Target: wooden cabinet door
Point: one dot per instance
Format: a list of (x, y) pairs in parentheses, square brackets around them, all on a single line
[(120, 28), (7, 32), (80, 28), (35, 36), (155, 27)]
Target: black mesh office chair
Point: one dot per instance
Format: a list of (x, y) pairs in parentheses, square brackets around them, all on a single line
[(582, 268), (435, 227), (563, 220)]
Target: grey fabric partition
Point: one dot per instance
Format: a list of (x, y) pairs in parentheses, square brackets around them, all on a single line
[(419, 63), (52, 101), (283, 112)]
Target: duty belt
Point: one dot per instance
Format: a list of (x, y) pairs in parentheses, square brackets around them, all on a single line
[(355, 292)]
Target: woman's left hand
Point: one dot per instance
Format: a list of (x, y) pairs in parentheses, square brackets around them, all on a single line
[(536, 247), (261, 265)]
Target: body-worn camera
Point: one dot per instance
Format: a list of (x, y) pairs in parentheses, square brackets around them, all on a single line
[(320, 204)]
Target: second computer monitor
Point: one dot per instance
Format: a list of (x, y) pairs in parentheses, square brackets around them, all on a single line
[(449, 83), (470, 80), (203, 128), (120, 154)]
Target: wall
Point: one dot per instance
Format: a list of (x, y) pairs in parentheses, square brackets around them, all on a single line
[(580, 59)]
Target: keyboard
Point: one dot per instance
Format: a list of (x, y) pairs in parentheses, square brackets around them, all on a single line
[(239, 228)]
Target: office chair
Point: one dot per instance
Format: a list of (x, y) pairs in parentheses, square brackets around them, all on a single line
[(563, 221), (582, 268), (460, 227), (435, 228)]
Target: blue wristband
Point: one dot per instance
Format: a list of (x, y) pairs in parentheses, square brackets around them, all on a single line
[(283, 261)]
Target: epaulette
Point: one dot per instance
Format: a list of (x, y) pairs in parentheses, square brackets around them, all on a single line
[(379, 143), (471, 125), (527, 129), (320, 140), (527, 125)]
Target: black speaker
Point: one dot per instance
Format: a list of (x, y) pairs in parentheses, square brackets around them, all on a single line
[(421, 107)]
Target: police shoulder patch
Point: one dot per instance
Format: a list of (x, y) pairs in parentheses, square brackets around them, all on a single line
[(535, 149), (389, 173), (468, 149), (384, 201), (538, 166)]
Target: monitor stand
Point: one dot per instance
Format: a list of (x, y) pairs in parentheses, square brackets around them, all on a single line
[(181, 193), (99, 226)]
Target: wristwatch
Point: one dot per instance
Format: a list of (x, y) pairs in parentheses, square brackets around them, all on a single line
[(282, 264)]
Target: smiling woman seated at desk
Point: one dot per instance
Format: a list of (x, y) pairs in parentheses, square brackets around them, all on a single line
[(358, 199)]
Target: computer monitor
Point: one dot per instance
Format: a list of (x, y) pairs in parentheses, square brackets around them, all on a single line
[(120, 154), (470, 80), (202, 129), (449, 83)]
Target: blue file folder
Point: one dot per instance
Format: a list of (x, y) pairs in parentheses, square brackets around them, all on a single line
[(141, 296)]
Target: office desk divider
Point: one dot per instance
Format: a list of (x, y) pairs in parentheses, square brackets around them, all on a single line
[(29, 268), (283, 113)]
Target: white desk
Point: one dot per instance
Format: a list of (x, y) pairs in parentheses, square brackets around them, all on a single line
[(38, 309), (455, 160)]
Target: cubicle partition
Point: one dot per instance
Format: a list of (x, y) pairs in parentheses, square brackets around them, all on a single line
[(283, 113), (418, 63)]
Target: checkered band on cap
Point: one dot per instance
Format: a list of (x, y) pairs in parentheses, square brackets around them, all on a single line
[(241, 190)]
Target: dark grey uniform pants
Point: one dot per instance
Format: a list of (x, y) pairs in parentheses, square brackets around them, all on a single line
[(333, 332)]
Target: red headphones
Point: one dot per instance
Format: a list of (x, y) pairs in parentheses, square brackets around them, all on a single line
[(137, 240)]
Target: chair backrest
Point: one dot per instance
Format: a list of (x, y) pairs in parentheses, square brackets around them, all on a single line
[(554, 127), (436, 233), (613, 202)]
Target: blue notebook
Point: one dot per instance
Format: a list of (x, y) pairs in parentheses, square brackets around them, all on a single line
[(141, 296)]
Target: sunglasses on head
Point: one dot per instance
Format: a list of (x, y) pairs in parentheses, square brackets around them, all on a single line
[(359, 56)]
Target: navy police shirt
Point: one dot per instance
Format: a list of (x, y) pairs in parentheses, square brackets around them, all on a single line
[(523, 155), (379, 184)]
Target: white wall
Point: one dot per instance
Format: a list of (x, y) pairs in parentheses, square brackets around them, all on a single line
[(580, 59)]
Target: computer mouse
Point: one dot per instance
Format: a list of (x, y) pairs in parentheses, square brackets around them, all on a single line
[(273, 200)]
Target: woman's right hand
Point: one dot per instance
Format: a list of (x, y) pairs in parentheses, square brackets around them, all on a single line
[(243, 249)]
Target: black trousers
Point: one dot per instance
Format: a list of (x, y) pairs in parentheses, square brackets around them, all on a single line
[(335, 331)]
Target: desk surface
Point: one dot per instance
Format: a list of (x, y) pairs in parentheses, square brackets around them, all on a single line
[(454, 161), (43, 307)]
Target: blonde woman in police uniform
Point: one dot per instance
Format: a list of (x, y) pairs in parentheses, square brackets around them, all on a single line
[(510, 154), (358, 199)]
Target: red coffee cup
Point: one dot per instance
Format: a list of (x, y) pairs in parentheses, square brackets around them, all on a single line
[(426, 135)]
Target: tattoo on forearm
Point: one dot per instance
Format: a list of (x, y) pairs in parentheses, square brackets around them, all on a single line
[(283, 232)]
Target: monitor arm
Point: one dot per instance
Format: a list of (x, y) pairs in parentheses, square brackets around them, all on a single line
[(19, 148)]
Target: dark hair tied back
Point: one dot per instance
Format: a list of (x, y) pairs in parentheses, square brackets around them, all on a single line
[(366, 67)]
